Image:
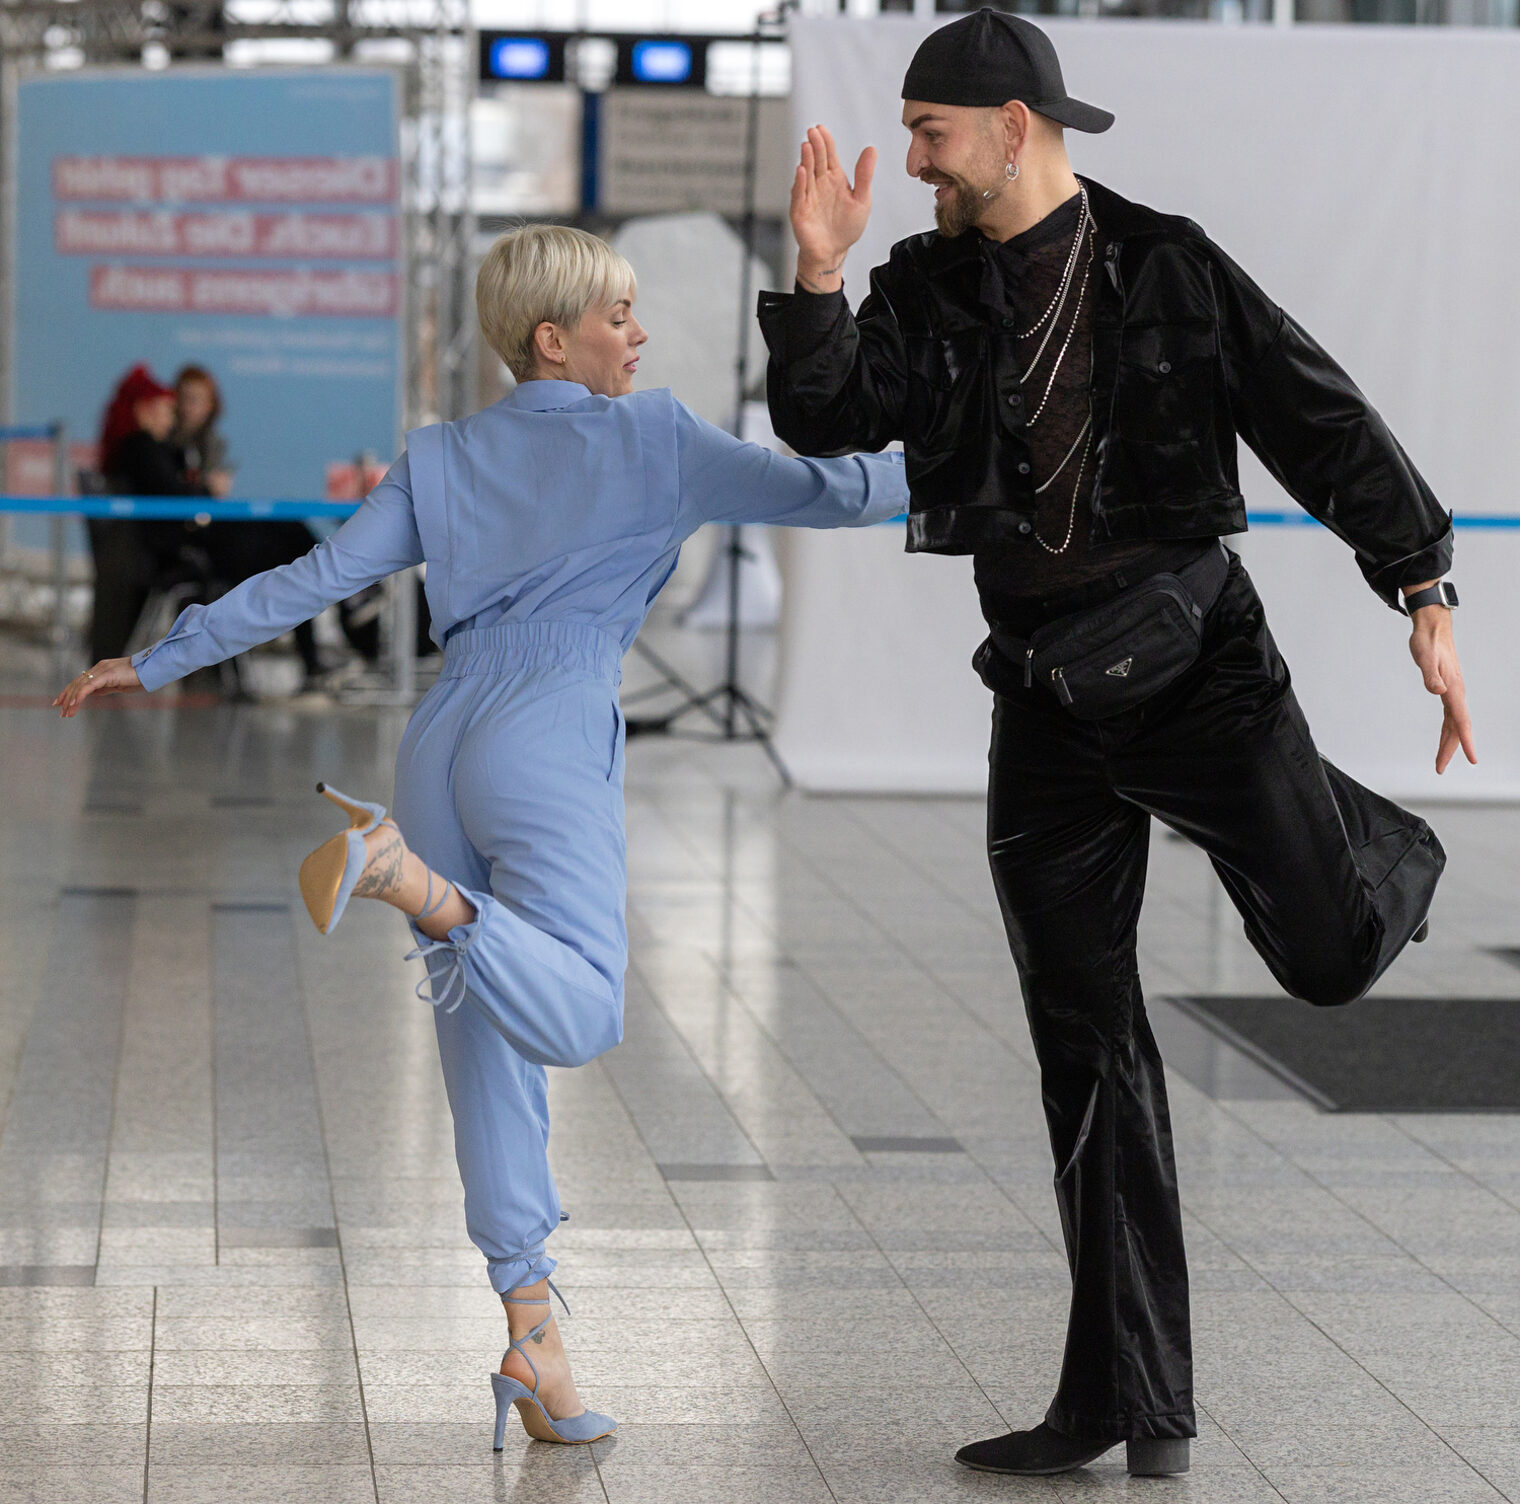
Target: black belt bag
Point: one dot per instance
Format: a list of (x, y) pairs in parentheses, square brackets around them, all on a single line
[(1115, 655)]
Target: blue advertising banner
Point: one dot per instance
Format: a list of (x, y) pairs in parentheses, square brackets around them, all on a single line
[(245, 222)]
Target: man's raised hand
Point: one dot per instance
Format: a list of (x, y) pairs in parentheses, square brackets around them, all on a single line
[(828, 214)]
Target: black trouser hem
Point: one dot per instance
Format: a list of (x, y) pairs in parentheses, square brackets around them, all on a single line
[(1179, 1425)]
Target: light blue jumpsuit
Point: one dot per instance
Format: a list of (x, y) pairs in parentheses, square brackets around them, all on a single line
[(548, 523)]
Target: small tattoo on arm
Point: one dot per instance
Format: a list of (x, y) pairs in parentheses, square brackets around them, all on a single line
[(828, 271), (383, 873)]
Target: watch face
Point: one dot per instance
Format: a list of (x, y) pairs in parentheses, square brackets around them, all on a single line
[(1448, 593)]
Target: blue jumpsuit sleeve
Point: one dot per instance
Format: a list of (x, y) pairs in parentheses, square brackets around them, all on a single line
[(380, 538), (723, 479)]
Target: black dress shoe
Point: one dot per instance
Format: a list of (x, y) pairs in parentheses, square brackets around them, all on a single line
[(1032, 1453), (1420, 935), (1042, 1451)]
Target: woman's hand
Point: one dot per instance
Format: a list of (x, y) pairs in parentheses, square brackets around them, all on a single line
[(111, 676), (828, 215), (1432, 647)]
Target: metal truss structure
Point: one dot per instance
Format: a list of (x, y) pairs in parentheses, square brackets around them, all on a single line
[(432, 42)]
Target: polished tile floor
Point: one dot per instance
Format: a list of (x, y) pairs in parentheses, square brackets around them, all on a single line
[(813, 1245)]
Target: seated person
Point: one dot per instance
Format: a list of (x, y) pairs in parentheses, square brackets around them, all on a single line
[(197, 434), (136, 459)]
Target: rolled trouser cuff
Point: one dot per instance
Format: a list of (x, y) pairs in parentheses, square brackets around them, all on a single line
[(516, 1270)]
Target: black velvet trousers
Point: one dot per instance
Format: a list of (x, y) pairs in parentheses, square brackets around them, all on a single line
[(1330, 879)]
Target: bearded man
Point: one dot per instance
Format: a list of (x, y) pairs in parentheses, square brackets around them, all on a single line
[(1068, 372)]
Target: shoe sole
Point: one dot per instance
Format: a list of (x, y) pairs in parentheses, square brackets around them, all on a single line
[(533, 1424), (321, 876), (1135, 1467), (1038, 1472)]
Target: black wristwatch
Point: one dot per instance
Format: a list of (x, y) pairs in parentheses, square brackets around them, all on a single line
[(1442, 593)]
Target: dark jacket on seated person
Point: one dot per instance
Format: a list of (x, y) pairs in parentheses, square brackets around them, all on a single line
[(132, 553), (144, 466)]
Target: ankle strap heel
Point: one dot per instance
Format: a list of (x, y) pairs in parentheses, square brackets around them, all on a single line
[(588, 1426), (1157, 1456)]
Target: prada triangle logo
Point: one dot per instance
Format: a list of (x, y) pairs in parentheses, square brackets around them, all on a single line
[(1121, 669)]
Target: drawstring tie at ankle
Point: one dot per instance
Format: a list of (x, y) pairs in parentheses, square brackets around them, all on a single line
[(454, 985)]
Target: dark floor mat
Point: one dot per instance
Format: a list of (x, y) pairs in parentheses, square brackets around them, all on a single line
[(1383, 1054)]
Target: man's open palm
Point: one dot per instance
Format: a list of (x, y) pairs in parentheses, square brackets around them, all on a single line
[(828, 214)]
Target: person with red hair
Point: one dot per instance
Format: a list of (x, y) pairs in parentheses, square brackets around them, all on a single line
[(136, 458)]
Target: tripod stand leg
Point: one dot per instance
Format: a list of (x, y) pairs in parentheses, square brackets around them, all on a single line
[(756, 717)]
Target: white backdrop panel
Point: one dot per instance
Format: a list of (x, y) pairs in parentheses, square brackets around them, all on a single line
[(1366, 177)]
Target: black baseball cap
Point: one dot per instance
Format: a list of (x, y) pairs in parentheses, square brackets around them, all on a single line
[(989, 57)]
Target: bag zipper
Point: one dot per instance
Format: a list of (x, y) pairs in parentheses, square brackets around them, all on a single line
[(1029, 668), (1059, 679)]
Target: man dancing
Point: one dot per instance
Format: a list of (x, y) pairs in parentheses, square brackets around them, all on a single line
[(1068, 372)]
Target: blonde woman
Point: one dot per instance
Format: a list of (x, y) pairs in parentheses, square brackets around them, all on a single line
[(548, 523)]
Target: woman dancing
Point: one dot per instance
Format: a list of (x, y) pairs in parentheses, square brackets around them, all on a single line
[(548, 522)]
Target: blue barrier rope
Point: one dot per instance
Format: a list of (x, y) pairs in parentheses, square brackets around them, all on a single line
[(253, 509), (1303, 519), (1498, 522), (27, 431), (232, 510)]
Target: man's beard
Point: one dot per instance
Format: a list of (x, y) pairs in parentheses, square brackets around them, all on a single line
[(960, 211)]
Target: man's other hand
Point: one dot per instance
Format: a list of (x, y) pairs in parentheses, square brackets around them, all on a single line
[(828, 214), (1435, 651)]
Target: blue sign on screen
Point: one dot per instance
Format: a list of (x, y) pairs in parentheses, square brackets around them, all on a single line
[(661, 62), (520, 57)]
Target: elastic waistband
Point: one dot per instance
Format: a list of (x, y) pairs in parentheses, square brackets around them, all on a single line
[(509, 646)]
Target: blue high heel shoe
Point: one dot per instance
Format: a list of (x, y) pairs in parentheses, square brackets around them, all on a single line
[(329, 874), (577, 1430)]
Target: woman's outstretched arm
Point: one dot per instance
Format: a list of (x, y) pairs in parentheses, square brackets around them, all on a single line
[(725, 480), (380, 538)]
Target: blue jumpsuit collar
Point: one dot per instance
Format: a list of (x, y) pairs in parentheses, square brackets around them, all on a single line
[(545, 396)]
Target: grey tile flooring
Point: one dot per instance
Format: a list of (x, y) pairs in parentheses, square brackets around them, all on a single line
[(278, 1237), (51, 1275), (902, 1144), (21, 1483), (270, 1483), (716, 1172), (812, 1245)]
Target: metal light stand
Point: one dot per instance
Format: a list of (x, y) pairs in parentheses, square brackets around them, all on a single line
[(735, 714)]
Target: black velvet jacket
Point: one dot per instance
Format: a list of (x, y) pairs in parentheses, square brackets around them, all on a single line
[(1187, 352)]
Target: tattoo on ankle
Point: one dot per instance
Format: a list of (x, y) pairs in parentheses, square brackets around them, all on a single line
[(382, 874)]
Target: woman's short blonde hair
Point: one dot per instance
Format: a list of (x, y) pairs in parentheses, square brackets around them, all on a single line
[(544, 274)]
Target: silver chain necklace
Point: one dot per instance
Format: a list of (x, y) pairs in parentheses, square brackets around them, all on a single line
[(1071, 261), (1076, 490), (1052, 315), (1065, 344)]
